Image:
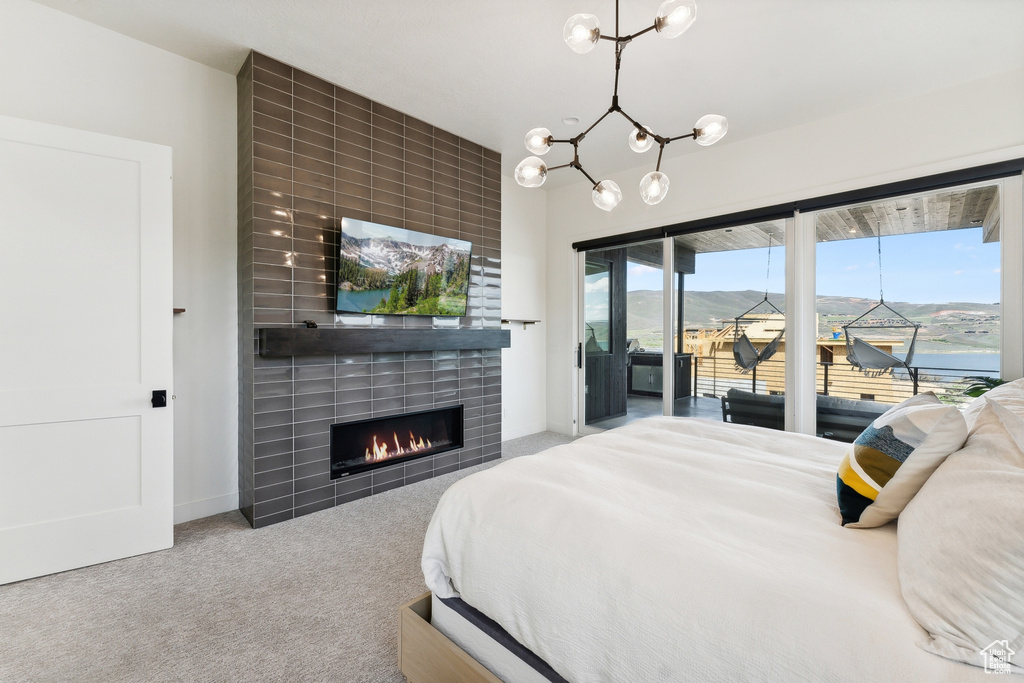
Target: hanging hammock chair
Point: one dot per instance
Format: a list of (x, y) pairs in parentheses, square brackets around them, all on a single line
[(744, 353), (867, 357)]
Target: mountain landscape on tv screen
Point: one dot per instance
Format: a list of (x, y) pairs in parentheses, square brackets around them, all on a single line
[(385, 275)]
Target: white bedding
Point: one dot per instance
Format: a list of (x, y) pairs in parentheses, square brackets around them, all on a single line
[(681, 549)]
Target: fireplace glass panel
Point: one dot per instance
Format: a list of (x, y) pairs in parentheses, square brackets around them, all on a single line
[(368, 444)]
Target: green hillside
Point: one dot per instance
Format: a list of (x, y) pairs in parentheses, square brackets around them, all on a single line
[(954, 326)]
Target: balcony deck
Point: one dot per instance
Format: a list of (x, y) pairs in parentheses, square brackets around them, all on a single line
[(638, 407)]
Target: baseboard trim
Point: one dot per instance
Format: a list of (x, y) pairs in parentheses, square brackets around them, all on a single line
[(507, 434), (186, 512)]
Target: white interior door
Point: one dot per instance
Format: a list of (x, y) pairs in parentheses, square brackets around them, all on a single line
[(85, 338)]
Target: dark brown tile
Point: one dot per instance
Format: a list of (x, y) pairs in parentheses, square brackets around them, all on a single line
[(261, 61), (269, 108), (347, 139), (313, 165), (388, 127), (313, 193), (349, 97), (314, 82), (423, 162), (314, 110), (360, 176), (320, 180), (313, 123), (353, 118), (381, 147), (421, 127), (271, 79), (272, 168), (379, 109), (269, 94), (312, 137), (314, 152), (271, 139), (325, 100), (348, 189), (274, 154), (385, 213), (275, 125)]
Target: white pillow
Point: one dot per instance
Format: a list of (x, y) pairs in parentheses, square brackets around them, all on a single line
[(1009, 396), (893, 457), (961, 544)]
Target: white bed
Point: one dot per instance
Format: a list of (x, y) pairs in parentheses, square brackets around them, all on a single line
[(680, 549)]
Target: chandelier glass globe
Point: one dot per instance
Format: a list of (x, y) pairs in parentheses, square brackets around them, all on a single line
[(538, 141), (641, 142), (654, 187), (710, 129), (531, 172), (607, 195), (674, 17), (581, 33)]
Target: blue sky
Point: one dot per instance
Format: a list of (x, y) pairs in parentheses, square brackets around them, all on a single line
[(933, 267)]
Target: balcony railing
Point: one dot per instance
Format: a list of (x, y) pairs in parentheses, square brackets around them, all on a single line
[(714, 376)]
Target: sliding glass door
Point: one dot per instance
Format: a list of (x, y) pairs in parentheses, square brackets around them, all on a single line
[(622, 334), (777, 323), (908, 295)]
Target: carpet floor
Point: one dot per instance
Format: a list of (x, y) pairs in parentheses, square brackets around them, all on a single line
[(311, 599)]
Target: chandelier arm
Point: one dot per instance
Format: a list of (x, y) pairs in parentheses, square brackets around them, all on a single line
[(635, 123), (680, 137), (582, 135), (618, 61), (565, 165), (640, 33), (661, 150), (579, 168)]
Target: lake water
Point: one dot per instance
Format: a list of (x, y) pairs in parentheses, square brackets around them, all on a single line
[(359, 301), (973, 363)]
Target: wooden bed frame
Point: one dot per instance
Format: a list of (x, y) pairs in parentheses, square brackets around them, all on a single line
[(425, 655)]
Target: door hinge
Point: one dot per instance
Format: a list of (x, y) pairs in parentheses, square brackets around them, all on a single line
[(579, 356)]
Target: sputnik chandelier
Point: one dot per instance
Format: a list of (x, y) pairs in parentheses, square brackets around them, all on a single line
[(581, 33)]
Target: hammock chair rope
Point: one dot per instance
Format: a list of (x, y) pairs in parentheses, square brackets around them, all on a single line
[(867, 357), (744, 353)]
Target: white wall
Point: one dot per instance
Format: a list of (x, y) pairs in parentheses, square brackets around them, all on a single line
[(958, 127), (523, 289), (64, 71)]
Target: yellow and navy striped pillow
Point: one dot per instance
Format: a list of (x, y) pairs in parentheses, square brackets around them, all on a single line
[(891, 459)]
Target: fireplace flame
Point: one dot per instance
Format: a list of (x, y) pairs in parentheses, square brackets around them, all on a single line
[(382, 451)]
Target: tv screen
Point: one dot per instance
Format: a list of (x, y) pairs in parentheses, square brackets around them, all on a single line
[(393, 271)]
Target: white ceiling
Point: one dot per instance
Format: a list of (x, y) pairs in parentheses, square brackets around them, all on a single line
[(489, 70)]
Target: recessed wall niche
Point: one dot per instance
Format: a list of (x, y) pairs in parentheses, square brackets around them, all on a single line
[(311, 153)]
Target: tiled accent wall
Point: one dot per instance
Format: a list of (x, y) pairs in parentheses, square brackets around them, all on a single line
[(311, 153)]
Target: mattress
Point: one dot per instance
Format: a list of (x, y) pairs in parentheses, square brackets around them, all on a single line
[(680, 549), (488, 643)]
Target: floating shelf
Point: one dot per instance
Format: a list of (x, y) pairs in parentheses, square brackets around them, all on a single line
[(509, 321), (305, 341)]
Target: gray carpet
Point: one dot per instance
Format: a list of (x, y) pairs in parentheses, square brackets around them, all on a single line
[(311, 599)]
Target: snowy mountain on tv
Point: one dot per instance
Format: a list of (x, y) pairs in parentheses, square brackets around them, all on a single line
[(394, 257)]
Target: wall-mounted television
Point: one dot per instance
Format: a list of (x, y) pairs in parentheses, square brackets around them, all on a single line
[(394, 271)]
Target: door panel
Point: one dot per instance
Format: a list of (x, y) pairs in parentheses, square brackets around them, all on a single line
[(85, 262)]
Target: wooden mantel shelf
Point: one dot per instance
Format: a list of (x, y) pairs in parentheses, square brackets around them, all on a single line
[(304, 341)]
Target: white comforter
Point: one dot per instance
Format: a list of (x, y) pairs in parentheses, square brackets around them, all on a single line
[(680, 549)]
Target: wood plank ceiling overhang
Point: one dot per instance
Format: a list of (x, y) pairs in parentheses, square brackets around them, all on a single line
[(957, 209)]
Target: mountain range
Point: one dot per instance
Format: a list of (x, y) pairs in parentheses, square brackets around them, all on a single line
[(953, 326), (396, 257)]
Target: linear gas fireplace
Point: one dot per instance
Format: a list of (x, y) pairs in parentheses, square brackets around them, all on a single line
[(368, 444)]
